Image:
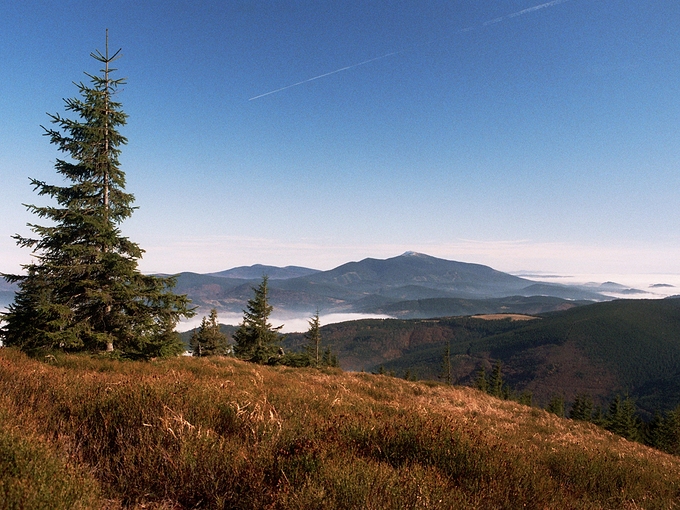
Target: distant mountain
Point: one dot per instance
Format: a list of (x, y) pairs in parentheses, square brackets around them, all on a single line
[(5, 286), (6, 293), (424, 271), (368, 285), (6, 297), (402, 284), (258, 271), (449, 307), (562, 291)]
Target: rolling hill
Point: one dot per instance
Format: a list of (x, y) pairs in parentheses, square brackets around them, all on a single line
[(93, 432), (622, 346), (371, 286), (258, 270)]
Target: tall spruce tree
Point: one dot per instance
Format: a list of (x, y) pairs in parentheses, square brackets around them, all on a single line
[(83, 289), (256, 339)]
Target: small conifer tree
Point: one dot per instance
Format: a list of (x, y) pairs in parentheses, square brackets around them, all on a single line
[(556, 405), (313, 337), (582, 408), (622, 418), (256, 339), (329, 358), (665, 432), (482, 383), (496, 382), (446, 374), (208, 340)]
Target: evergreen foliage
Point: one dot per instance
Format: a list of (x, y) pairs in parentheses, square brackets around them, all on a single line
[(329, 359), (622, 418), (582, 408), (256, 339), (556, 406), (208, 340), (525, 398), (496, 382), (313, 337), (482, 383), (665, 432), (83, 291), (446, 365)]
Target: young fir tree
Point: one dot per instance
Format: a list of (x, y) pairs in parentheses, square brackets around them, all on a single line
[(482, 383), (496, 382), (446, 374), (331, 360), (208, 340), (665, 432), (313, 336), (622, 418), (83, 290), (256, 339), (556, 405), (582, 408)]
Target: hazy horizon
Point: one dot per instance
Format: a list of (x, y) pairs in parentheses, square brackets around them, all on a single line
[(523, 135)]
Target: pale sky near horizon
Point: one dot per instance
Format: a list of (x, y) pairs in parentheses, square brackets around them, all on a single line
[(499, 133)]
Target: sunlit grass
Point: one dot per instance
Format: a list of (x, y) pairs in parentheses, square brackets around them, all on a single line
[(220, 433)]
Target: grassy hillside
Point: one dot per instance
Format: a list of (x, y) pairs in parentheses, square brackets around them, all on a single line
[(624, 346), (220, 433)]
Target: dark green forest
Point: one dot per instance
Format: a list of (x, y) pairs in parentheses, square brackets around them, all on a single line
[(624, 346)]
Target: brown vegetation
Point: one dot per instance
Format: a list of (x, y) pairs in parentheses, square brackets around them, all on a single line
[(501, 316), (221, 433)]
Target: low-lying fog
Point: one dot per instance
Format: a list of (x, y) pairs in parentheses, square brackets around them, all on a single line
[(654, 286), (290, 324)]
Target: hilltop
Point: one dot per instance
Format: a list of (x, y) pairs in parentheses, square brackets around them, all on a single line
[(411, 285), (377, 286), (222, 433)]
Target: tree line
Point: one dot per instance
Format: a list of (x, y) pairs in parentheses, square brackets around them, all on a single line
[(257, 341), (83, 291), (620, 417)]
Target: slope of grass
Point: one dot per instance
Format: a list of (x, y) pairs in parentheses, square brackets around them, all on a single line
[(624, 346), (220, 433)]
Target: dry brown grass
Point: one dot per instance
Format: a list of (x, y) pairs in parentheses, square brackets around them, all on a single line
[(220, 433)]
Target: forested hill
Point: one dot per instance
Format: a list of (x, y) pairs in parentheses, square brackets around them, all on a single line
[(374, 286), (623, 346)]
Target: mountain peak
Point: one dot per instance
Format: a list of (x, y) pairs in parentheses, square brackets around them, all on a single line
[(413, 254)]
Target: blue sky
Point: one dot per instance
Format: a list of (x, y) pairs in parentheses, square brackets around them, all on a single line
[(527, 139)]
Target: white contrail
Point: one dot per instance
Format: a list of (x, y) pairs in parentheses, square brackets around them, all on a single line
[(326, 74), (468, 29), (536, 8)]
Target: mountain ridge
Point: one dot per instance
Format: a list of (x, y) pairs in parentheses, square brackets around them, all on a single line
[(353, 286)]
